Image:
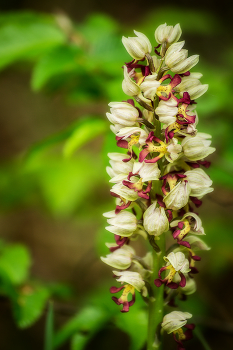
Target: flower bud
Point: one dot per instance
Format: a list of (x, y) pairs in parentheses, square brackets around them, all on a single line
[(123, 224), (147, 171), (186, 64), (167, 111), (177, 60), (121, 258), (155, 220), (119, 170), (149, 86), (138, 46), (199, 182), (192, 85), (178, 197), (175, 320), (123, 113), (197, 147), (156, 62), (165, 33), (129, 86), (175, 54)]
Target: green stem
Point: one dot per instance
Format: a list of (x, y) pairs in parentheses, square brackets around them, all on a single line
[(156, 305)]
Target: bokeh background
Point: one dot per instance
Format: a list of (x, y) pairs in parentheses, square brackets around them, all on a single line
[(60, 65)]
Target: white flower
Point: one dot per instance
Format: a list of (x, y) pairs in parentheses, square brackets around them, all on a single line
[(165, 33), (196, 224), (155, 220), (190, 286), (175, 320), (193, 221), (173, 150), (149, 86), (178, 261), (147, 171), (128, 131), (192, 85), (138, 46), (119, 170), (167, 111), (129, 86), (132, 278), (121, 258), (115, 128), (124, 192), (199, 182), (178, 197), (123, 224), (177, 58), (123, 113), (197, 243), (197, 147)]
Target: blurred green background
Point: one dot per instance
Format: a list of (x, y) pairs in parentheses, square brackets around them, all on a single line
[(60, 65)]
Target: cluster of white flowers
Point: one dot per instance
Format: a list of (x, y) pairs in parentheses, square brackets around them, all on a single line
[(160, 176)]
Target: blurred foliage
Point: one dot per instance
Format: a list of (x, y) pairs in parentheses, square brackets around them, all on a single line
[(83, 61)]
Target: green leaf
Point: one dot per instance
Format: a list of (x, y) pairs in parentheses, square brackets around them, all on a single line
[(23, 35), (87, 322), (49, 328), (134, 323), (29, 305), (61, 60), (15, 261), (87, 130), (78, 341)]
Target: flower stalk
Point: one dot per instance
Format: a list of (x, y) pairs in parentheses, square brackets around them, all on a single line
[(157, 179)]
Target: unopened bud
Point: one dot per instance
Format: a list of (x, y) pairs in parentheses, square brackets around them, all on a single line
[(178, 197), (138, 46), (155, 220), (129, 86), (169, 34)]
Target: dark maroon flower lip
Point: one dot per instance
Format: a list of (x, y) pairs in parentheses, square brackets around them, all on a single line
[(123, 300), (187, 335)]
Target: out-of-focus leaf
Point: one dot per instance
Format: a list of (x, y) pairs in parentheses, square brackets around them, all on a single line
[(134, 323), (221, 176), (23, 35), (49, 328), (66, 183), (88, 129), (88, 321), (14, 263), (61, 60), (78, 341), (29, 305), (194, 21), (96, 26), (52, 140)]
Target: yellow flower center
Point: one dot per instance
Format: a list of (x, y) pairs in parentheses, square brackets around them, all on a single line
[(180, 333), (127, 290), (185, 230)]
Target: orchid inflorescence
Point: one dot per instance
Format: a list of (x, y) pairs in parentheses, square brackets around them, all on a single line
[(160, 179)]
